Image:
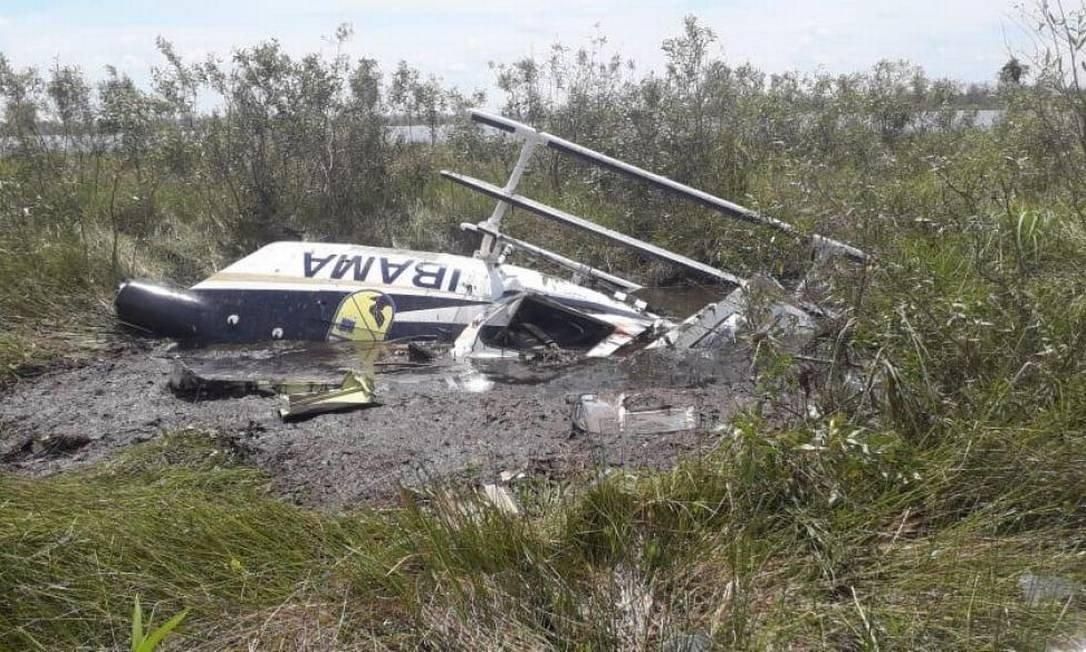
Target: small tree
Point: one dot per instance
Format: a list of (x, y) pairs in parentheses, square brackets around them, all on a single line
[(1013, 72)]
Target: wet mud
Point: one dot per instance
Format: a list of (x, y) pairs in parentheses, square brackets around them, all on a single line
[(434, 422)]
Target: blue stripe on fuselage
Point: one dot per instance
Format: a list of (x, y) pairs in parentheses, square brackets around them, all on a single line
[(307, 315)]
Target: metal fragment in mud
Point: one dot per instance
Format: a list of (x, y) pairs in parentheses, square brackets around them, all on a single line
[(186, 383), (719, 324), (355, 392)]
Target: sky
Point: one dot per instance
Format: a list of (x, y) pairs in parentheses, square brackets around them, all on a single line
[(963, 39)]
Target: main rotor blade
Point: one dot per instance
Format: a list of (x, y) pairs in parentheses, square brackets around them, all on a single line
[(562, 217), (705, 199)]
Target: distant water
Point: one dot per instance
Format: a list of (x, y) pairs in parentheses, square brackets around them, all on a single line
[(982, 118), (55, 142), (418, 133), (985, 119)]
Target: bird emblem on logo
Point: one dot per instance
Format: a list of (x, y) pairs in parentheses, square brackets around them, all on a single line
[(364, 316)]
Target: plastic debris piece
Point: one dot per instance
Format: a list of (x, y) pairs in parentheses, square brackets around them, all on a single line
[(594, 415), (601, 416), (696, 642), (469, 381), (648, 422), (509, 476), (1037, 589), (500, 498)]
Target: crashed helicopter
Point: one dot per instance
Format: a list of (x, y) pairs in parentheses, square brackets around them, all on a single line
[(480, 304)]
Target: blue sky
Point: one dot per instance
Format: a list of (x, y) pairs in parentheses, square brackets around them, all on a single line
[(964, 39)]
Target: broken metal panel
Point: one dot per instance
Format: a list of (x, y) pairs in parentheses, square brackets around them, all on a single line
[(721, 323), (540, 322), (535, 323), (470, 342), (616, 308), (562, 217), (301, 397), (356, 391), (186, 382), (610, 344), (710, 324)]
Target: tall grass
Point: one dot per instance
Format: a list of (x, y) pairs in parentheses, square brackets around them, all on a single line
[(810, 539)]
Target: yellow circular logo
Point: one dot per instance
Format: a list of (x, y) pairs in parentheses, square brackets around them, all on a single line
[(365, 316)]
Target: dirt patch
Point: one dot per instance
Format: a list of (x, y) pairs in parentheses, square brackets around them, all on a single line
[(429, 427)]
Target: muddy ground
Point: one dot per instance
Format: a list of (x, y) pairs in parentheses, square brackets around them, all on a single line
[(432, 423)]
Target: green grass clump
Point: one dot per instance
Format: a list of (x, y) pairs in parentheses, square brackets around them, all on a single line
[(149, 641), (781, 539), (173, 525)]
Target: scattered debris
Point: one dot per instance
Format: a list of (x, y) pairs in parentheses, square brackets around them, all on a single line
[(355, 392), (305, 371), (597, 415), (499, 497), (696, 642), (186, 384), (509, 476), (1038, 589), (472, 508), (45, 447), (424, 432), (469, 381), (720, 324), (420, 353)]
